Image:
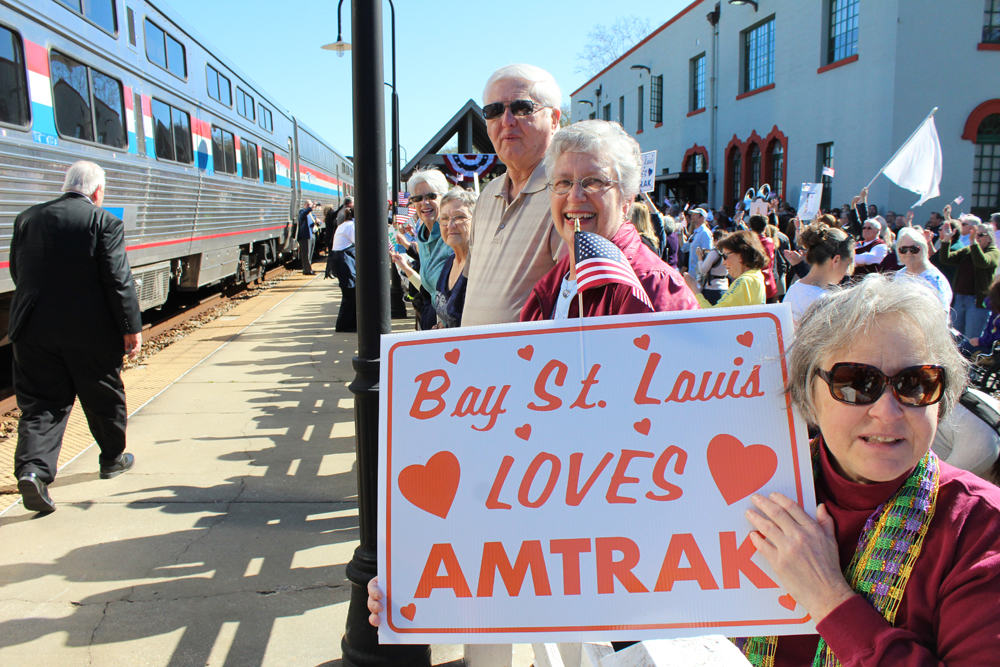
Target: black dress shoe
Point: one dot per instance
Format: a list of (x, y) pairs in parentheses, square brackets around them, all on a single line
[(123, 463), (35, 493)]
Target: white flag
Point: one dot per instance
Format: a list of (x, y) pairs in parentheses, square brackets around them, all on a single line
[(917, 165)]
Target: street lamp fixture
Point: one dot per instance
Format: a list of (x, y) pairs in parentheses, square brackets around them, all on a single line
[(587, 102), (648, 71), (744, 2), (340, 46)]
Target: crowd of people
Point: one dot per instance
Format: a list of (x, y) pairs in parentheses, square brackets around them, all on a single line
[(876, 368)]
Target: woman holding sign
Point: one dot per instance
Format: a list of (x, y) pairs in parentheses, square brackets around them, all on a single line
[(593, 171), (902, 564)]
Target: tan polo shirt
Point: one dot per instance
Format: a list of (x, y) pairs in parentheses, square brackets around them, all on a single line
[(511, 247)]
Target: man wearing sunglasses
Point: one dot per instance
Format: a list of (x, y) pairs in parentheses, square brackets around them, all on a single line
[(871, 250), (512, 241)]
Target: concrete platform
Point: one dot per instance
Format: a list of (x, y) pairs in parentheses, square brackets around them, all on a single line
[(227, 543)]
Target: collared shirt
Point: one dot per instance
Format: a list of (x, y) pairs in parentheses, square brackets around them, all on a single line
[(701, 238), (511, 247)]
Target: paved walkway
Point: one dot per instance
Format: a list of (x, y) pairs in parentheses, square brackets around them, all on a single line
[(227, 544)]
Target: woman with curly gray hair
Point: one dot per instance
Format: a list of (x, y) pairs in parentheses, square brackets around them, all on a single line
[(593, 171), (901, 565)]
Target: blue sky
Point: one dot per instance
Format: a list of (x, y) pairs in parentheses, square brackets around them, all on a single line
[(445, 51)]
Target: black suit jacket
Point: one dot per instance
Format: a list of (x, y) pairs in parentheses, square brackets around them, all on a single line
[(74, 287)]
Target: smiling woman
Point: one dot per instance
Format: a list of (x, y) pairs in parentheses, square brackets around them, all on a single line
[(901, 565), (593, 173)]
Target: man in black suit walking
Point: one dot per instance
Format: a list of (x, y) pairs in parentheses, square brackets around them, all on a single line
[(73, 315)]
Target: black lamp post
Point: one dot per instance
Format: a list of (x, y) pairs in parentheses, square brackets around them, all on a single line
[(360, 645), (397, 307)]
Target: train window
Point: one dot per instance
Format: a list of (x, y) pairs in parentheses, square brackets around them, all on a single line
[(265, 119), (248, 156), (163, 50), (244, 104), (99, 12), (130, 19), (223, 151), (13, 84), (267, 158), (172, 132), (219, 87), (109, 110)]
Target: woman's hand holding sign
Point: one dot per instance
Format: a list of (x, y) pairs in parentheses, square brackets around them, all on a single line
[(374, 604), (802, 551)]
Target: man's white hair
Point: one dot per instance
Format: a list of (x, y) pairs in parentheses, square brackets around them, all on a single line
[(542, 86), (84, 177)]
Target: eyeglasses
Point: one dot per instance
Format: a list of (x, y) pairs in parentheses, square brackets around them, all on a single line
[(454, 220), (904, 249), (430, 196), (860, 384), (522, 108), (865, 227), (725, 255), (590, 184), (982, 236)]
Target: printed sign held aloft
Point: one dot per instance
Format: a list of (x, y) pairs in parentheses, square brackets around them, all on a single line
[(647, 178), (809, 201), (586, 479)]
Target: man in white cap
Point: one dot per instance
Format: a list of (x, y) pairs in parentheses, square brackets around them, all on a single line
[(700, 237)]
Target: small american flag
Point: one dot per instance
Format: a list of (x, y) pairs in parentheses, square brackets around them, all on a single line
[(404, 214), (404, 198), (599, 262), (828, 171), (959, 199)]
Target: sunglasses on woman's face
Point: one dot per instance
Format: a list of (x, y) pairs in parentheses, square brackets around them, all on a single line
[(430, 196), (904, 249), (982, 236), (860, 384)]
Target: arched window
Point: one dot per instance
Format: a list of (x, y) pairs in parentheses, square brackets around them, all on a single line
[(754, 158), (778, 169), (986, 169), (736, 168)]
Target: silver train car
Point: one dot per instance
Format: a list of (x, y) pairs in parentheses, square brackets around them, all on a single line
[(205, 169)]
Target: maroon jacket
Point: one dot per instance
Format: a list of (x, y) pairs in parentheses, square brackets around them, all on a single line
[(665, 287)]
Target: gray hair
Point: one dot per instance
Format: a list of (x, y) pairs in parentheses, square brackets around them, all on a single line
[(910, 234), (432, 177), (605, 140), (461, 195), (84, 177), (832, 325), (878, 220), (970, 219), (542, 86)]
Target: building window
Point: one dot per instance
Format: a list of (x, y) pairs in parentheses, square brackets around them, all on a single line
[(163, 50), (248, 157), (223, 151), (991, 22), (172, 132), (986, 169), (130, 21), (621, 111), (736, 169), (99, 12), (697, 83), (244, 104), (642, 103), (593, 115), (758, 56), (267, 158), (778, 169), (266, 122), (843, 30), (607, 112), (219, 88), (825, 152), (13, 80), (656, 99), (753, 157), (88, 105)]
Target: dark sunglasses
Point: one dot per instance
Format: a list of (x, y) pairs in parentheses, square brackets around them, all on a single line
[(904, 249), (982, 236), (430, 196), (860, 384), (517, 107)]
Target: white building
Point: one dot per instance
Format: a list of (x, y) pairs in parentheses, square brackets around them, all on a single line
[(770, 92)]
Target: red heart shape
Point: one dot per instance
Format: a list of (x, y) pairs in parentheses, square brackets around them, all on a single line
[(738, 471), (409, 611), (642, 426), (523, 432), (745, 339), (642, 341), (452, 357), (526, 352), (786, 601), (432, 487)]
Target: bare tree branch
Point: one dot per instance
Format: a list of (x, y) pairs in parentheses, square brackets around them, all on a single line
[(605, 44)]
